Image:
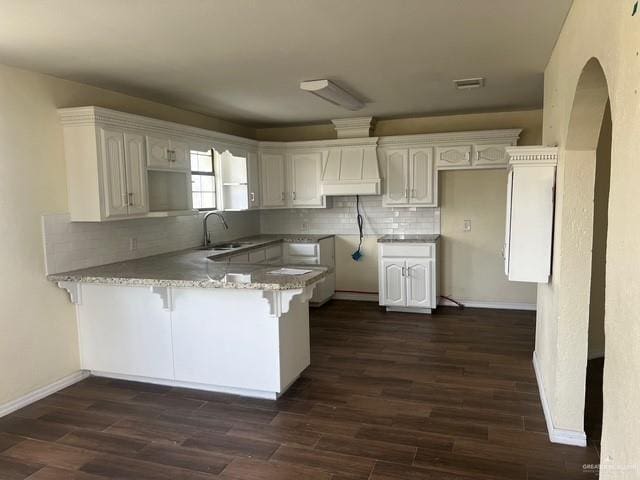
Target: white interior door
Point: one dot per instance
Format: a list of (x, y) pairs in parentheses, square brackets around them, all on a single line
[(419, 284), (136, 173), (114, 177), (422, 177), (272, 174), (393, 283), (396, 178), (306, 169)]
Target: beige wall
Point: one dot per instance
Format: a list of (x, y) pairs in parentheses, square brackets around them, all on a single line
[(37, 326), (472, 267), (605, 30), (469, 258)]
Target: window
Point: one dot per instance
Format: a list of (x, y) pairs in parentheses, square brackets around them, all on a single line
[(203, 184)]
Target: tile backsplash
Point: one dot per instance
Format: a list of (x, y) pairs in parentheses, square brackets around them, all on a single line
[(73, 245), (341, 218)]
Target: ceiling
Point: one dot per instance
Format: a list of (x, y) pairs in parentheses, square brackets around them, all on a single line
[(242, 60)]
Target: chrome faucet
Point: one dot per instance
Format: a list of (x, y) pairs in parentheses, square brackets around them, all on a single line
[(207, 235)]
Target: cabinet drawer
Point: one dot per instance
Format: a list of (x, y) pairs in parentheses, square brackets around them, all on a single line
[(257, 256), (240, 258), (303, 260), (302, 249), (274, 252), (419, 250)]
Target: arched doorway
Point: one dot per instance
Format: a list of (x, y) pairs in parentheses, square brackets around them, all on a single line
[(587, 175)]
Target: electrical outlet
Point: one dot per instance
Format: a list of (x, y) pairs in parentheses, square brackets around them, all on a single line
[(133, 244), (467, 225)]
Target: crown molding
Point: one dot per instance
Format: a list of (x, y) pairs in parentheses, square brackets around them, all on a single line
[(534, 155), (357, 127), (507, 136), (89, 116)]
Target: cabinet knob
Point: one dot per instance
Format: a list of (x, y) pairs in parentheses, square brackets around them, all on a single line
[(293, 195)]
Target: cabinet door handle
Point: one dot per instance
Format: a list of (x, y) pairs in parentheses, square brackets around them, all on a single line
[(293, 195), (282, 195), (413, 193), (253, 197), (130, 199), (404, 271), (406, 192)]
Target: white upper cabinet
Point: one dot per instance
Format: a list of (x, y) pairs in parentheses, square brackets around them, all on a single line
[(410, 177), (273, 180), (396, 177), (124, 177), (422, 177), (167, 153), (305, 171), (136, 171), (114, 176), (453, 157), (253, 173), (292, 180)]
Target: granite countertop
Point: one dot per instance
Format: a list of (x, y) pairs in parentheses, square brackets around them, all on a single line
[(200, 268), (409, 238)]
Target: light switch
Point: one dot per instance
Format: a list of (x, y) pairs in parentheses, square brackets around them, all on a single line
[(467, 225)]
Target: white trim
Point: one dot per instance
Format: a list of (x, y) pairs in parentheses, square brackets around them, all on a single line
[(556, 435), (480, 304), (40, 393), (409, 310), (196, 386), (360, 297)]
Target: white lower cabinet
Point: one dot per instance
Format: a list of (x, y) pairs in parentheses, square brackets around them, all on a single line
[(394, 288), (407, 276)]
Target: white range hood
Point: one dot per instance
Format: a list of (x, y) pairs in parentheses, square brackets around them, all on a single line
[(352, 164)]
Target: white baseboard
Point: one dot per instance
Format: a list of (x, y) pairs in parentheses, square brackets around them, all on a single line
[(245, 392), (479, 304), (361, 297), (556, 435), (40, 393)]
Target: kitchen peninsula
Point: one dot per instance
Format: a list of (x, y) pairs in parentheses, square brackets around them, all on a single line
[(198, 319)]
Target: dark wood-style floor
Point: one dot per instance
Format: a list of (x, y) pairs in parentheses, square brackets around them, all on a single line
[(388, 396)]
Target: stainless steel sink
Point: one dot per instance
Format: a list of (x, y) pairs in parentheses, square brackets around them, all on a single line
[(226, 246)]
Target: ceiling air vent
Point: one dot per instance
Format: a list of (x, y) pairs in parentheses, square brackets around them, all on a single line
[(467, 83)]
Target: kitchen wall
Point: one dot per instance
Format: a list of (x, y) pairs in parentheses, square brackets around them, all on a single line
[(360, 276), (73, 245), (470, 258), (38, 342)]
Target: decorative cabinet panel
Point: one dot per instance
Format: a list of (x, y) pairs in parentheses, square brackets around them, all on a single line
[(167, 153), (410, 178), (490, 155), (396, 177), (422, 179), (393, 290), (273, 180), (305, 170), (419, 282), (407, 276), (453, 157), (123, 175)]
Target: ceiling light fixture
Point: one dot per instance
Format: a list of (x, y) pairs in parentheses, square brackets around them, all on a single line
[(467, 83), (332, 93)]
